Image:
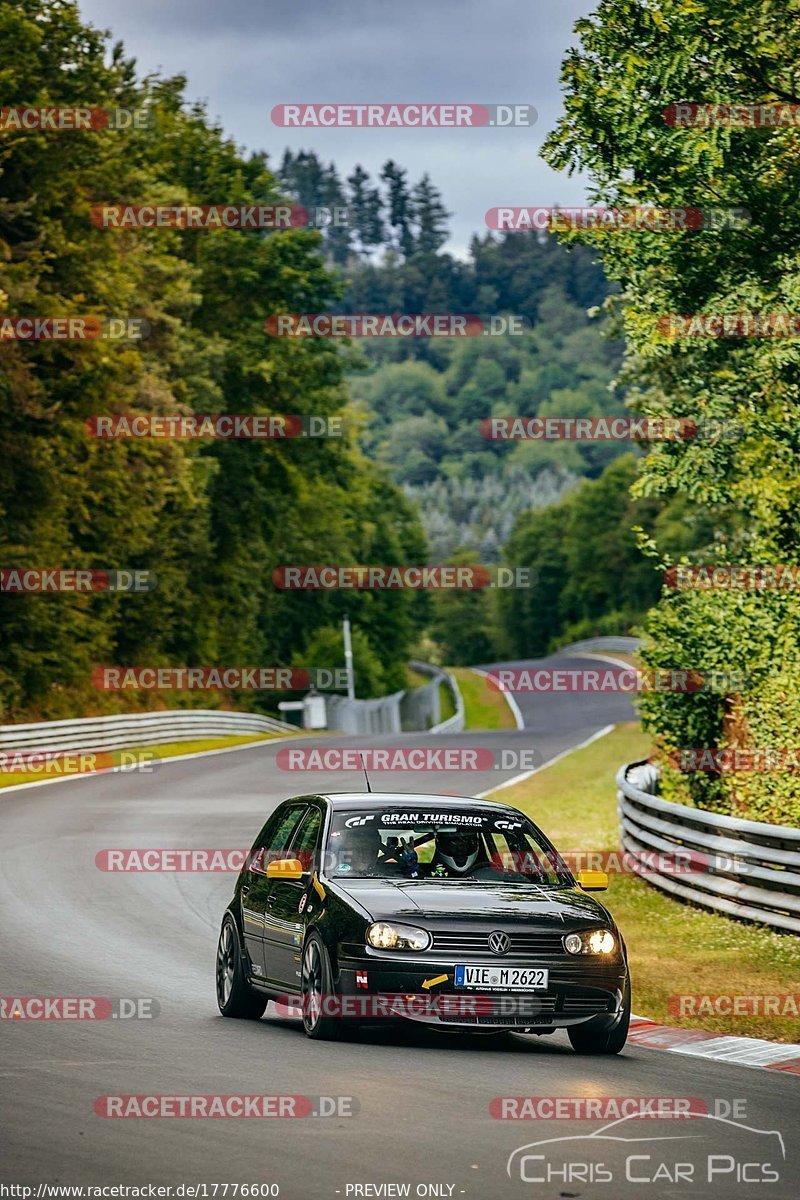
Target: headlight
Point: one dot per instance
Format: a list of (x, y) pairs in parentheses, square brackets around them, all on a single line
[(592, 941), (384, 936), (602, 941)]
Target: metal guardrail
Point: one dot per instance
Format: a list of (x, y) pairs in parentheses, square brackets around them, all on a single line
[(381, 715), (356, 717), (603, 645), (744, 869), (415, 709), (136, 729), (456, 722)]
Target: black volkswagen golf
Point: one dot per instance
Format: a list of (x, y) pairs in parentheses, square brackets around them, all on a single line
[(453, 911)]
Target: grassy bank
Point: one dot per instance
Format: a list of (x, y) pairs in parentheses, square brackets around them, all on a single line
[(484, 707), (674, 949)]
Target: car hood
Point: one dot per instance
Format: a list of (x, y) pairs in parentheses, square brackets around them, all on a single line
[(455, 903)]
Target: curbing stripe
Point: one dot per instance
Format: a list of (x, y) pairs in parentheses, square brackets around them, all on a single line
[(740, 1051)]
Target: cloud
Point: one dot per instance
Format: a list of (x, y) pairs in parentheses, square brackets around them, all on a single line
[(244, 57)]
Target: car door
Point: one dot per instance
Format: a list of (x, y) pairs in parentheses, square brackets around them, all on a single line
[(288, 905), (254, 894)]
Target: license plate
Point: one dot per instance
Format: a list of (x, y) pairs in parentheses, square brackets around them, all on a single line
[(525, 979)]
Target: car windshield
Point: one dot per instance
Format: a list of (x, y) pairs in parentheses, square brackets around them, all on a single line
[(471, 844)]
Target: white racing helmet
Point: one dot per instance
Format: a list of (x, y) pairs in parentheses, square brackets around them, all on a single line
[(458, 849)]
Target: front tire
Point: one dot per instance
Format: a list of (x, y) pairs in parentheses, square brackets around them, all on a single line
[(235, 997), (593, 1037), (316, 986)]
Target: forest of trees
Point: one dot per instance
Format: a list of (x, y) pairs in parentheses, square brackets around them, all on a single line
[(422, 400), (211, 519), (411, 480)]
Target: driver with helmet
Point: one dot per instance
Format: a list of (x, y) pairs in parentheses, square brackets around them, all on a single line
[(359, 852), (457, 852)]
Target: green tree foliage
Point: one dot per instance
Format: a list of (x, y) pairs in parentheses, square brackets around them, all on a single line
[(326, 648), (366, 208), (581, 555), (400, 207), (212, 520), (423, 419), (430, 215), (633, 60), (588, 577), (459, 620)]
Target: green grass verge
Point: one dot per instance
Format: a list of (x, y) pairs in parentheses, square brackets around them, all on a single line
[(673, 948), (447, 705), (62, 769), (483, 707)]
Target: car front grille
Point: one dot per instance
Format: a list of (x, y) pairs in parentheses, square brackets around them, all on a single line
[(493, 1010), (535, 945), (540, 1009), (586, 1006)]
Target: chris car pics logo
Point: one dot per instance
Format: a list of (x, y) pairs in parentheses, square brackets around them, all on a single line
[(714, 1150)]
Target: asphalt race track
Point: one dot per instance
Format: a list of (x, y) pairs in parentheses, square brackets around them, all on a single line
[(422, 1098)]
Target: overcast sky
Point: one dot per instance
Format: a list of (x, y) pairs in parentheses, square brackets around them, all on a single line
[(244, 56)]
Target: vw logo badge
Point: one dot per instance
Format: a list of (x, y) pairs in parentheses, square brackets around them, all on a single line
[(499, 943)]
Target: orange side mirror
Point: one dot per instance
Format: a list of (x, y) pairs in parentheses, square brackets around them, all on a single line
[(592, 881), (285, 868)]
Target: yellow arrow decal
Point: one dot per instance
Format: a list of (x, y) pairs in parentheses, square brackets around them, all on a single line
[(429, 983)]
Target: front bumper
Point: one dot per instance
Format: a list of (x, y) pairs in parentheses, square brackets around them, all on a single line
[(417, 989)]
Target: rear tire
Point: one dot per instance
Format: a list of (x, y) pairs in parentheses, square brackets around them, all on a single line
[(235, 997), (317, 984), (593, 1037)]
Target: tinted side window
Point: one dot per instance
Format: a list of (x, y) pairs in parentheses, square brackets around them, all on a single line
[(305, 845), (277, 833)]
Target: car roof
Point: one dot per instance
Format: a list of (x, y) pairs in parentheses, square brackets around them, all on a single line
[(340, 800)]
